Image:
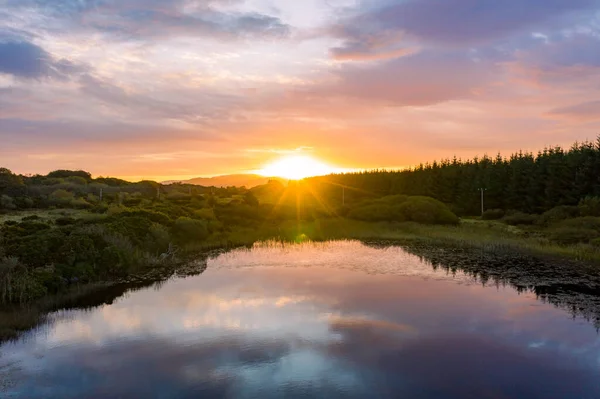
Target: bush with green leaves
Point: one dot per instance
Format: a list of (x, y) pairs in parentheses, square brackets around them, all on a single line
[(427, 210), (377, 212), (65, 221), (80, 203), (77, 180), (393, 199), (590, 206), (17, 283), (186, 230), (418, 209), (493, 214), (179, 197), (250, 199), (159, 238), (7, 203), (152, 215), (558, 214), (520, 218), (61, 197), (250, 216), (205, 214), (23, 202)]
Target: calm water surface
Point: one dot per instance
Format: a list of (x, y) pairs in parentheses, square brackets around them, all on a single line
[(314, 320)]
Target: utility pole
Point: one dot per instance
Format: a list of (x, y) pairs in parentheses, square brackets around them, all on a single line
[(343, 196), (482, 207)]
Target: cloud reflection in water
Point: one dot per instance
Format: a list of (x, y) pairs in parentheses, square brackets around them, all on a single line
[(324, 320)]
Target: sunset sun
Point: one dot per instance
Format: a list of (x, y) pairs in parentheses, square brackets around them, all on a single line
[(296, 167)]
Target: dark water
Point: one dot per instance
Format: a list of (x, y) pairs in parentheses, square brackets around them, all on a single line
[(313, 320)]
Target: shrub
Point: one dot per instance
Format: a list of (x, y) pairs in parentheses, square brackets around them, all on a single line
[(178, 197), (343, 210), (520, 218), (24, 202), (115, 210), (557, 214), (61, 197), (186, 230), (70, 173), (399, 208), (52, 181), (77, 180), (32, 226), (427, 210), (394, 199), (249, 216), (595, 242), (100, 208), (250, 199), (570, 235), (135, 228), (154, 216), (119, 256), (17, 285), (80, 203), (493, 214), (64, 221), (132, 199), (92, 199), (588, 222), (377, 213), (205, 214), (7, 202), (159, 238), (590, 206)]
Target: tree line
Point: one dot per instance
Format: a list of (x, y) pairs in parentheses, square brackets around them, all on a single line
[(524, 181)]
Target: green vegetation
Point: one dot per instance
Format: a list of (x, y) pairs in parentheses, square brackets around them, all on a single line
[(525, 182), (68, 229), (400, 208)]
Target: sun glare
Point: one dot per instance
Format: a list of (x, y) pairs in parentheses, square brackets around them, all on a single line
[(296, 167)]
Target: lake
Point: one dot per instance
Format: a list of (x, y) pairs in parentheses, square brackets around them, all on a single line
[(324, 320)]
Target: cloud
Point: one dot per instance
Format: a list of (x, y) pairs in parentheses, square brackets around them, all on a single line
[(565, 51), (200, 106), (585, 111), (152, 19), (373, 46), (138, 103), (405, 24), (26, 60), (417, 80)]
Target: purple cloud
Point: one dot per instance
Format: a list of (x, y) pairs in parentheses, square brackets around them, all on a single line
[(151, 19), (460, 23), (578, 49), (585, 111), (29, 61), (416, 80)]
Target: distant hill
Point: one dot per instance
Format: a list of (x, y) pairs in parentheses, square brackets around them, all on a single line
[(239, 180)]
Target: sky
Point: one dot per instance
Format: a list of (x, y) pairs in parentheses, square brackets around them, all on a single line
[(169, 89)]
